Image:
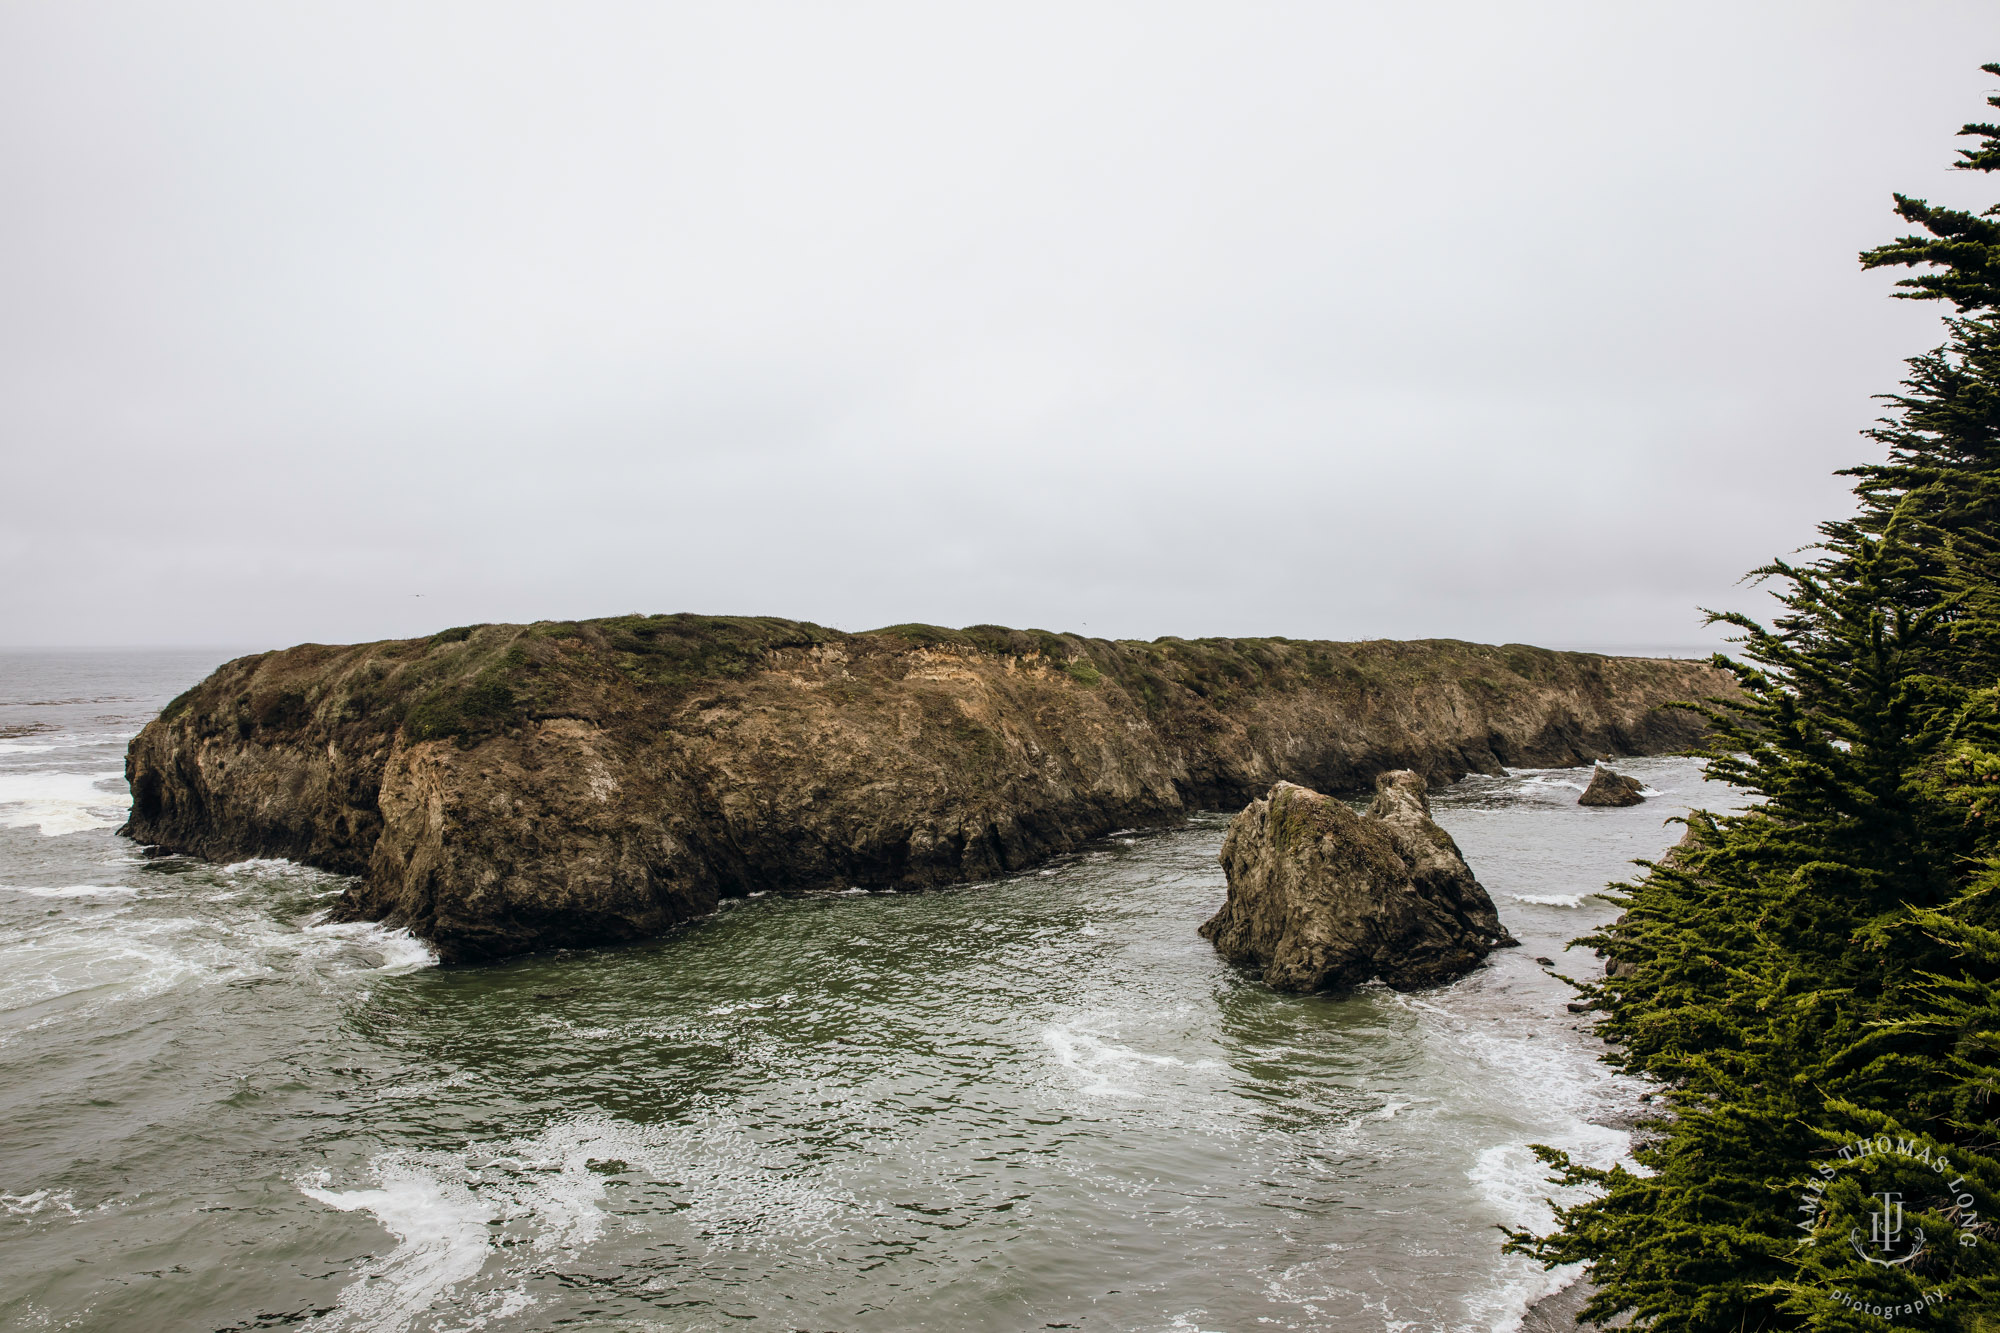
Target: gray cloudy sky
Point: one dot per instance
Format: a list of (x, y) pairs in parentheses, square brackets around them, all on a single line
[(1532, 321)]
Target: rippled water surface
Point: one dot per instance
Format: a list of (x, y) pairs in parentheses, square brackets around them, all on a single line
[(1041, 1102)]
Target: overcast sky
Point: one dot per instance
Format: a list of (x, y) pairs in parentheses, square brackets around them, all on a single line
[(1502, 321)]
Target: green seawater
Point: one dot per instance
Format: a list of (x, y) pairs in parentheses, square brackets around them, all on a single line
[(1039, 1102)]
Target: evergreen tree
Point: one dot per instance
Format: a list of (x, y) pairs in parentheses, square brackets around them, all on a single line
[(1820, 969)]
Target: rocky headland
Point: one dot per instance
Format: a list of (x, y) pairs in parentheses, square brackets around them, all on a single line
[(501, 789), (1323, 898)]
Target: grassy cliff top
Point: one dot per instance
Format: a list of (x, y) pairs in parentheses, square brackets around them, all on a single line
[(474, 680)]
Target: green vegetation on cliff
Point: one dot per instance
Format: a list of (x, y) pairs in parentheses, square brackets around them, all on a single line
[(475, 681), (1823, 970)]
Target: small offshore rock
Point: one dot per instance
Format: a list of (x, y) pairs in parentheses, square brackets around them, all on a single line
[(1608, 788), (1579, 1006), (1322, 898), (1546, 962)]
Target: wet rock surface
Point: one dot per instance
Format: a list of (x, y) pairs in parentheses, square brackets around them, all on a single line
[(1322, 898)]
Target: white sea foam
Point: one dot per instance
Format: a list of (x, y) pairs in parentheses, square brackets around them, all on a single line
[(1515, 1185), (27, 747), (1554, 899), (120, 957), (60, 803), (1106, 1068), (118, 952), (267, 867), (1554, 1091), (752, 1192), (394, 950), (72, 890), (1423, 1006), (440, 1231), (27, 1205), (524, 1203), (1504, 1307), (1514, 1182)]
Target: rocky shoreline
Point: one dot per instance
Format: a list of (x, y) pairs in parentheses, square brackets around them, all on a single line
[(1558, 1312), (502, 789)]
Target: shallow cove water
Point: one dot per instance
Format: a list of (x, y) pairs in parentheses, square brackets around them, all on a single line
[(1038, 1102)]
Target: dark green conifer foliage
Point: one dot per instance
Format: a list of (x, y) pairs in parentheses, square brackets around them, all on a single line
[(1962, 249), (1823, 967)]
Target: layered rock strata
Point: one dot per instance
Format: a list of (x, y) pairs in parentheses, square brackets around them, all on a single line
[(1322, 898), (507, 788)]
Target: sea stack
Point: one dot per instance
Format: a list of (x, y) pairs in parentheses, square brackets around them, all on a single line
[(1608, 788), (1322, 898)]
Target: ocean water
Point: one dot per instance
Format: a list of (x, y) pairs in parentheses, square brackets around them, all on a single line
[(1039, 1102)]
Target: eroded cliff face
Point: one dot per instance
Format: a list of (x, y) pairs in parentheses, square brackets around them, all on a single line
[(509, 788)]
